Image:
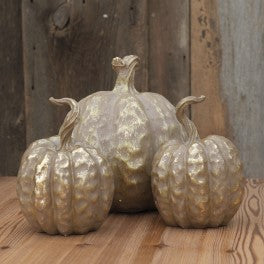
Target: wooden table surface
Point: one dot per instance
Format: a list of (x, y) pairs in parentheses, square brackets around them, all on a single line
[(135, 238)]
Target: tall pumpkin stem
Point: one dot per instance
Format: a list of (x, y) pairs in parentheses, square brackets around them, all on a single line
[(125, 69), (67, 127), (187, 124)]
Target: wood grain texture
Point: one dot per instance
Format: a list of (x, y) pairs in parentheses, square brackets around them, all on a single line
[(137, 238), (68, 48), (169, 72), (227, 66), (211, 116), (12, 127), (241, 28)]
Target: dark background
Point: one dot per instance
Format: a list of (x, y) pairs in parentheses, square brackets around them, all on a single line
[(64, 49)]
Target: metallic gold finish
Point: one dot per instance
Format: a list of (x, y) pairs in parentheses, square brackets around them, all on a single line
[(197, 183), (64, 188), (127, 127)]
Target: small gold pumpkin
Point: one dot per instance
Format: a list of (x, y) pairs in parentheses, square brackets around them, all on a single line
[(197, 183), (64, 188)]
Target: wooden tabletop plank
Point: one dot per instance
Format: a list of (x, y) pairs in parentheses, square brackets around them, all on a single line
[(135, 238)]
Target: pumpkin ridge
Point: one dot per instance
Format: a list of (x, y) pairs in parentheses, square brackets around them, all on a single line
[(112, 102), (236, 175), (104, 174), (228, 202), (22, 180), (220, 216), (33, 193), (133, 151), (60, 212), (163, 205), (166, 105), (93, 118), (51, 169), (163, 113), (187, 191), (46, 224), (209, 193), (74, 201), (99, 177), (51, 166), (150, 128), (186, 154), (179, 215), (72, 192), (198, 201), (170, 203), (83, 203)]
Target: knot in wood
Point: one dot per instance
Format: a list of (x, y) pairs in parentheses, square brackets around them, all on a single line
[(61, 17)]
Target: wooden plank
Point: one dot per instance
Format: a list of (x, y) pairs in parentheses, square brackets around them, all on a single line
[(242, 78), (169, 49), (12, 127), (68, 48), (136, 238), (227, 66), (211, 116)]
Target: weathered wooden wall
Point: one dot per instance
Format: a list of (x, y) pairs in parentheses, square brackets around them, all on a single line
[(12, 118), (186, 47), (227, 48), (242, 77), (69, 45)]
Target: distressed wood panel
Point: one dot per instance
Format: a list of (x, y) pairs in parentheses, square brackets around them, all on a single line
[(68, 48), (169, 59), (12, 127), (211, 116), (136, 238), (242, 77), (227, 66)]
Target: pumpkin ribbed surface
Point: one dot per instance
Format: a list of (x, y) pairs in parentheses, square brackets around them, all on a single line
[(198, 183), (55, 193), (64, 189), (127, 127)]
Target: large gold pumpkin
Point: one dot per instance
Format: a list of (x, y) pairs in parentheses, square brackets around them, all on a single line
[(197, 183), (127, 127), (62, 188)]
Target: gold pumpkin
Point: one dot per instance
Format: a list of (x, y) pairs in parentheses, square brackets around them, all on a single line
[(62, 188), (127, 127), (197, 183)]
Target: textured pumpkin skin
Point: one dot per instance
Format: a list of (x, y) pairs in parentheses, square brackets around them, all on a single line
[(64, 191), (127, 127), (198, 185)]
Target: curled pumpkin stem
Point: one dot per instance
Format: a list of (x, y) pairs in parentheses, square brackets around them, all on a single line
[(187, 124), (68, 124)]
